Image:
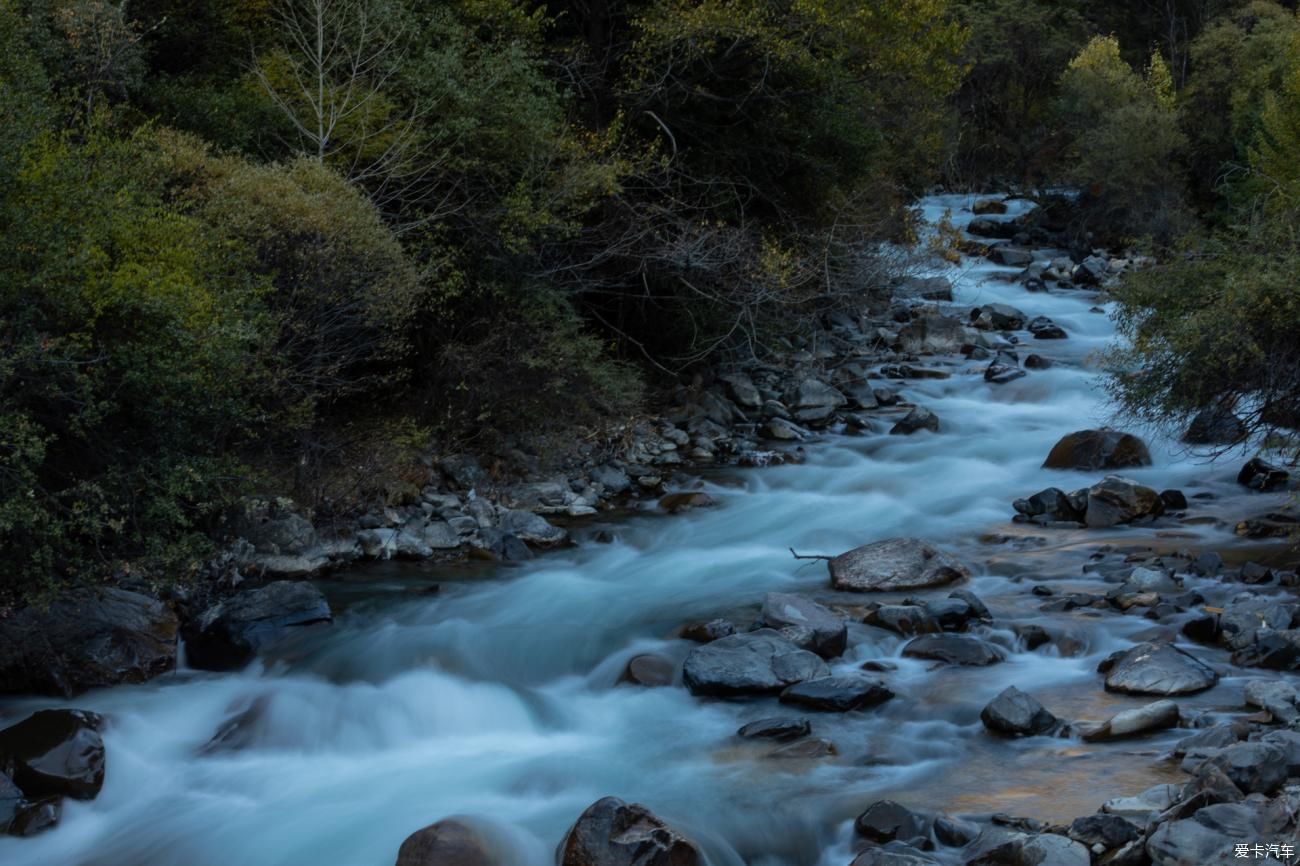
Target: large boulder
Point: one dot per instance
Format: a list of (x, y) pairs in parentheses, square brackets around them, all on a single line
[(1155, 668), (1115, 500), (1015, 714), (954, 649), (754, 663), (838, 694), (830, 633), (1214, 427), (886, 821), (1247, 613), (446, 843), (813, 401), (86, 638), (1098, 449), (1259, 474), (1140, 720), (614, 833), (1212, 833), (894, 564), (55, 753), (920, 418), (230, 633), (997, 317)]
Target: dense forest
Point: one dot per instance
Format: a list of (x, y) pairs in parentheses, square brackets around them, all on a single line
[(288, 245)]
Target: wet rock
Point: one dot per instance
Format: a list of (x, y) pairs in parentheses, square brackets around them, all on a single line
[(1246, 614), (987, 227), (1117, 500), (649, 670), (614, 833), (1289, 742), (952, 614), (931, 335), (706, 632), (887, 821), (1214, 427), (1051, 503), (1209, 739), (1159, 669), (829, 630), (997, 317), (894, 564), (1275, 524), (1277, 650), (776, 729), (893, 854), (757, 662), (805, 750), (1015, 714), (1143, 579), (989, 206), (838, 694), (781, 430), (1004, 369), (1037, 362), (1011, 256), (229, 634), (86, 638), (1260, 475), (446, 843), (1210, 835), (1048, 849), (1090, 271), (1142, 807), (532, 528), (1152, 717), (1098, 449), (1279, 698), (1174, 500), (813, 401), (954, 832), (1254, 574), (33, 818), (904, 619), (674, 503), (55, 753), (741, 389), (11, 799), (1044, 328), (918, 419), (953, 649), (1108, 831), (1254, 767), (927, 288)]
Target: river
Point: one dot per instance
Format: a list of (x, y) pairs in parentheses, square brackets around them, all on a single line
[(497, 698)]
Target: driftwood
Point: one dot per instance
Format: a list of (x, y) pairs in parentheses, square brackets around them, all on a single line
[(809, 555)]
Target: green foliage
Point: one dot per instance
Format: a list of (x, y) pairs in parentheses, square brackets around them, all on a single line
[(1126, 145)]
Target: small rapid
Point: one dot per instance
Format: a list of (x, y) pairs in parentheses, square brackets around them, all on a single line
[(498, 698)]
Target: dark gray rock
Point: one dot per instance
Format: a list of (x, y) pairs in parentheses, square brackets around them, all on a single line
[(894, 564), (1159, 669), (1261, 475), (1214, 427), (1254, 767), (1052, 504), (447, 843), (954, 649), (36, 816), (532, 528), (987, 227), (1108, 831), (230, 633), (614, 833), (757, 662), (1116, 500), (1090, 450), (11, 799), (707, 632), (776, 729), (839, 694), (1011, 256), (1246, 614), (1044, 328), (1015, 714), (829, 630), (918, 419), (893, 854), (887, 821), (904, 619), (649, 670), (927, 288), (813, 401), (84, 639), (55, 753), (997, 317)]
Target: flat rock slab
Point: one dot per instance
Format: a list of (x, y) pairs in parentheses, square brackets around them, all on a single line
[(838, 694), (895, 564), (1159, 669), (754, 663), (1140, 720), (954, 649), (829, 631)]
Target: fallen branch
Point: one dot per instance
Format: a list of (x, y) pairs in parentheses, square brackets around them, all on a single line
[(809, 555)]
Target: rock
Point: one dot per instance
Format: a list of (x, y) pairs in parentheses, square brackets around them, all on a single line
[(804, 750), (1015, 714), (86, 638), (1051, 503), (1098, 449), (918, 419), (829, 630), (36, 817), (1254, 767), (1174, 500), (1037, 362), (1214, 427), (776, 729), (838, 694), (1211, 834), (612, 478), (675, 503), (741, 389), (1116, 500), (1278, 698), (1044, 328), (986, 227), (55, 753), (813, 401), (757, 662), (988, 206), (894, 854), (1090, 271), (1140, 808), (532, 528), (614, 833), (271, 526), (706, 632), (1159, 669), (887, 821), (446, 843), (1210, 739), (904, 619), (1277, 650), (952, 614), (1108, 831), (1246, 614), (927, 288), (1152, 717), (649, 670), (933, 335), (1004, 369), (997, 317), (894, 564), (781, 430), (1289, 741), (1276, 524), (229, 634), (1142, 579), (1048, 849), (953, 649), (1260, 475), (11, 799), (1011, 256)]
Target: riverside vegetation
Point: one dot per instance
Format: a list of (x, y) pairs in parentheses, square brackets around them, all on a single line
[(287, 285)]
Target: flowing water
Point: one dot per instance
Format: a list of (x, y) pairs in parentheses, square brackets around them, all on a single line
[(498, 697)]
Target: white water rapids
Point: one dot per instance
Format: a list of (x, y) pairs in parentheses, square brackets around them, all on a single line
[(497, 698)]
